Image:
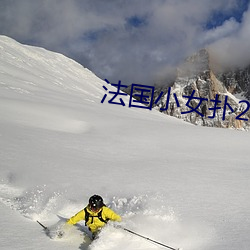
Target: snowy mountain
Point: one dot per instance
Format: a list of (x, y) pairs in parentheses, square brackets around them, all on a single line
[(183, 185), (199, 74), (237, 81)]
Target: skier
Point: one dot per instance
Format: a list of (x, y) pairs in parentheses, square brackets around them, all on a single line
[(95, 214)]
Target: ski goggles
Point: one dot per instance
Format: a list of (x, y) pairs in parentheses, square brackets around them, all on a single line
[(94, 208)]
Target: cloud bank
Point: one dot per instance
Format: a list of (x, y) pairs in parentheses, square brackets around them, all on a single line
[(136, 41)]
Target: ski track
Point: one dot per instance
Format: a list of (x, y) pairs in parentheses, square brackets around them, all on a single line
[(145, 214)]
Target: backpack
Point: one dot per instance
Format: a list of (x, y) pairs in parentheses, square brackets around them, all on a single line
[(88, 216)]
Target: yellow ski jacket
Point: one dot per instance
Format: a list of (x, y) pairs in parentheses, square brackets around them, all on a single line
[(94, 223)]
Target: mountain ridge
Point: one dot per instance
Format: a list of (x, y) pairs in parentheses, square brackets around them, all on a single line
[(197, 73)]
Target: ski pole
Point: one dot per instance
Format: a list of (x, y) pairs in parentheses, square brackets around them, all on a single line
[(45, 228), (146, 238)]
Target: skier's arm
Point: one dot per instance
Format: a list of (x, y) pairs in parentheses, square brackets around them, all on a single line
[(77, 217), (110, 214)]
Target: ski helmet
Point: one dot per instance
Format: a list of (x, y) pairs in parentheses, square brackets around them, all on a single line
[(95, 202)]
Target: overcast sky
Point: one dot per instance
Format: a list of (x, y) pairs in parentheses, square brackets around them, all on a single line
[(135, 41)]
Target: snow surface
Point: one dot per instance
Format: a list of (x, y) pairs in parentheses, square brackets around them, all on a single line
[(182, 185)]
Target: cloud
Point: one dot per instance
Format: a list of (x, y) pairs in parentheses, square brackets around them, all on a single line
[(233, 49), (228, 28), (133, 41)]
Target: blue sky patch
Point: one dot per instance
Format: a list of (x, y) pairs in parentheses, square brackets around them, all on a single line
[(136, 21), (219, 17)]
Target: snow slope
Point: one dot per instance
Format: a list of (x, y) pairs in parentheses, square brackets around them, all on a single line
[(179, 184)]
